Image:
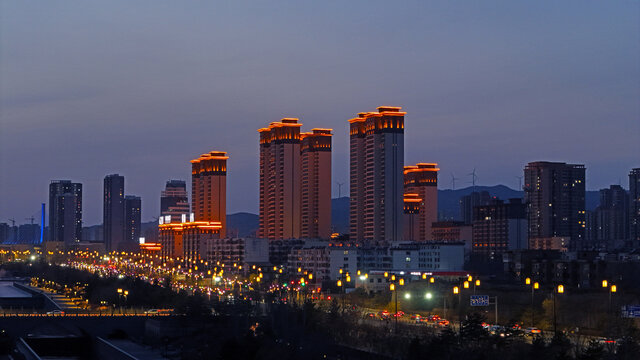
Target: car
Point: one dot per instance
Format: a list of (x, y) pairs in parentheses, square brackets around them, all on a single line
[(416, 317), (384, 314), (151, 311), (399, 314), (433, 318), (532, 331), (443, 322), (55, 312)]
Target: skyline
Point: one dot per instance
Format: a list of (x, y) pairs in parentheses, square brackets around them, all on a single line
[(125, 102)]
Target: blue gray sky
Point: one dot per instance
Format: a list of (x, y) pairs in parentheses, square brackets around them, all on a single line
[(140, 88)]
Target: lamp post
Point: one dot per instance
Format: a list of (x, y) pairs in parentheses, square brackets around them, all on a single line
[(560, 290)]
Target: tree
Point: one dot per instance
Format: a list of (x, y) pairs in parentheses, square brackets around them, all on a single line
[(594, 351), (472, 330)]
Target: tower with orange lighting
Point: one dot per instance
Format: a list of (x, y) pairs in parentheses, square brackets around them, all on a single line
[(376, 175), (295, 182), (280, 180), (315, 184), (209, 188), (421, 198)]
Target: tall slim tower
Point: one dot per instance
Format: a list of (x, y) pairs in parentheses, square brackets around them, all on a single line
[(113, 212), (209, 188), (555, 198), (376, 169), (280, 180), (634, 207), (315, 184), (132, 219), (65, 211), (421, 179), (174, 200)]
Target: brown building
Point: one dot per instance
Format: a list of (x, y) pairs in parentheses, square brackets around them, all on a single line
[(187, 240), (315, 184), (452, 232), (422, 180), (209, 188), (376, 175), (295, 182)]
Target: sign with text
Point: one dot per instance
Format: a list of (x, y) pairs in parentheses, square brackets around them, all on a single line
[(631, 311), (479, 300)]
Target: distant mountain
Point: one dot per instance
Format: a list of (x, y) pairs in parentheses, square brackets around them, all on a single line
[(242, 224)]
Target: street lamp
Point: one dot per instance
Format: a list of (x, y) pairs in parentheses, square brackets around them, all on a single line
[(560, 290)]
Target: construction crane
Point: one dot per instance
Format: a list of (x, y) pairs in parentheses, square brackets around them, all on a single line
[(32, 219)]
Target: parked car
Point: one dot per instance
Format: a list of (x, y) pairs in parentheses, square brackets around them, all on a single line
[(55, 312)]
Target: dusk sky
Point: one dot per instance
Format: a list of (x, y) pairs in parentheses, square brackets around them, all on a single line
[(140, 88)]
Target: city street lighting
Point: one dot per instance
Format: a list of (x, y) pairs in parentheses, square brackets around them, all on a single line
[(456, 290), (466, 284), (527, 281), (605, 283), (428, 296), (407, 296)]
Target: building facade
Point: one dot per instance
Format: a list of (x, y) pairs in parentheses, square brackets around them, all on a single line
[(113, 223), (280, 180), (295, 182), (421, 182), (209, 188), (65, 212), (174, 200), (132, 219), (634, 208), (555, 198), (315, 184), (468, 202), (611, 219), (376, 175), (499, 227)]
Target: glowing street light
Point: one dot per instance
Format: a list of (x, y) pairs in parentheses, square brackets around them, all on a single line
[(456, 290), (605, 283), (407, 296), (527, 281), (428, 296)]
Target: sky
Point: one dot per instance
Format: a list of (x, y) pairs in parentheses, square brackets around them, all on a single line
[(140, 88)]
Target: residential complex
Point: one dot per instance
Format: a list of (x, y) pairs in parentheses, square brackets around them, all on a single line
[(376, 175)]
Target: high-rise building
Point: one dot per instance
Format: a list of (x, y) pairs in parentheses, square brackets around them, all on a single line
[(499, 227), (132, 216), (611, 219), (468, 202), (376, 175), (65, 212), (209, 188), (280, 180), (634, 207), (295, 181), (315, 184), (174, 200), (421, 180), (555, 198), (113, 213)]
